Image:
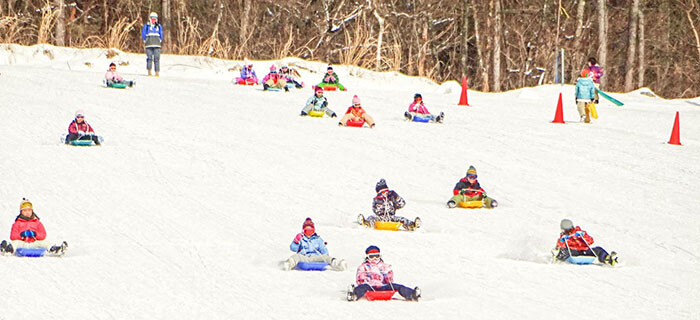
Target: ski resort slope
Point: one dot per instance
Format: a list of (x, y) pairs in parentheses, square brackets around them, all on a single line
[(188, 208)]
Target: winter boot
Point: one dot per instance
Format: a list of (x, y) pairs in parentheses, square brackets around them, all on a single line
[(338, 264), (287, 265), (286, 89), (59, 250), (371, 126), (611, 259), (439, 118), (407, 116), (6, 247), (333, 115), (303, 113), (416, 294), (361, 220), (588, 115), (157, 73), (265, 86), (149, 72), (417, 223), (451, 204), (351, 293), (494, 204), (340, 124)]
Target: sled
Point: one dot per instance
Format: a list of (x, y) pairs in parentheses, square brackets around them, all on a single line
[(81, 143), (316, 113), (379, 295), (30, 252), (581, 259), (418, 118), (609, 98), (311, 266), (387, 225), (244, 82), (592, 110), (274, 89), (117, 85), (357, 124), (471, 204), (330, 88)]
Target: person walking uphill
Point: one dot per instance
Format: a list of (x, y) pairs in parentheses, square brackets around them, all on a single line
[(152, 36)]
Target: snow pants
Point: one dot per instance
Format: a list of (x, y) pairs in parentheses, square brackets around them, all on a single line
[(405, 221), (365, 117), (30, 245), (405, 292), (460, 198), (296, 258), (74, 136), (327, 110), (429, 116), (600, 252), (281, 83), (153, 58)]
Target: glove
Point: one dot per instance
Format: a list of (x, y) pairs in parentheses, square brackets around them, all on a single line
[(595, 101), (82, 133), (579, 233), (28, 234), (324, 104), (297, 238)]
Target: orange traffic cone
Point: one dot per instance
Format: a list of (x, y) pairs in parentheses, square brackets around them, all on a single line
[(675, 133), (559, 115), (463, 101)]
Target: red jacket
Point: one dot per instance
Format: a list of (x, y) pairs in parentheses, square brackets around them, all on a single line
[(464, 184), (357, 112), (74, 127), (32, 224), (575, 242)]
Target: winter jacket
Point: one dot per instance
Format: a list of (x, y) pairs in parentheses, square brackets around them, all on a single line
[(113, 76), (357, 112), (309, 246), (585, 89), (387, 202), (152, 35), (420, 108), (464, 184), (317, 102), (575, 242), (376, 274), (74, 127), (597, 73), (330, 78), (287, 75), (272, 76), (246, 74), (22, 224)]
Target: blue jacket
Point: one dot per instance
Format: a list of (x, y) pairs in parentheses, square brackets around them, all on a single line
[(152, 35), (245, 74), (585, 89), (309, 246)]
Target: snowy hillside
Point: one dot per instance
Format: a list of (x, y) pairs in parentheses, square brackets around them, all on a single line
[(188, 209)]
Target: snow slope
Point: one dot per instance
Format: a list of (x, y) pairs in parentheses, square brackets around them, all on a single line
[(188, 209)]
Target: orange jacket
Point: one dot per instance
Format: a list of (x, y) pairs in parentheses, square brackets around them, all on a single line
[(356, 111)]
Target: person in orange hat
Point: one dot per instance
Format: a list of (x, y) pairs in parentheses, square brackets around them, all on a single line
[(310, 247), (28, 232)]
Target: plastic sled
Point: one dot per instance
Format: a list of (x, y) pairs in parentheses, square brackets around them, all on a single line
[(421, 119), (357, 124), (30, 252), (609, 98), (330, 88), (81, 143), (311, 266), (594, 112), (387, 225), (274, 89), (316, 113), (243, 82), (471, 204), (380, 295), (581, 259), (117, 85)]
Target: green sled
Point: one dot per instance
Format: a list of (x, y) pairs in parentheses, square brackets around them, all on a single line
[(117, 85), (82, 143), (609, 98)]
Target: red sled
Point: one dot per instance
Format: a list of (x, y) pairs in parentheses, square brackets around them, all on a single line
[(379, 295), (245, 82), (357, 124), (330, 88)]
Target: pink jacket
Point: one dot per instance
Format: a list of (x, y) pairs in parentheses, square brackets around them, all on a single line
[(272, 76), (113, 76), (418, 109), (375, 274)]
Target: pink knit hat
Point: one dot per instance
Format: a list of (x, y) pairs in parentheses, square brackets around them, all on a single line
[(355, 100)]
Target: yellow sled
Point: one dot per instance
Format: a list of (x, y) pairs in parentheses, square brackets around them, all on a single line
[(593, 111), (471, 204), (315, 113), (387, 225)]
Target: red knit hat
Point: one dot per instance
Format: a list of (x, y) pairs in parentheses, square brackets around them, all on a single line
[(307, 223)]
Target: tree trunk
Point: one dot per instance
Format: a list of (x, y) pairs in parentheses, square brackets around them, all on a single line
[(642, 63), (602, 39), (556, 46), (60, 23), (465, 37), (379, 40), (165, 22), (576, 57), (106, 17), (479, 53), (692, 26), (245, 20), (497, 46), (423, 51), (631, 46)]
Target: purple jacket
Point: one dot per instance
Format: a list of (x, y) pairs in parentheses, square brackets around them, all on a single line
[(597, 73)]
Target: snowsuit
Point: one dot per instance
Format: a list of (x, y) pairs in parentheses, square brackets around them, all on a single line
[(378, 276), (116, 77), (318, 104), (22, 224), (419, 110), (311, 249), (577, 245), (331, 80), (290, 78), (469, 195), (81, 131), (356, 113), (585, 94), (247, 75), (384, 206), (274, 80), (152, 36), (597, 72)]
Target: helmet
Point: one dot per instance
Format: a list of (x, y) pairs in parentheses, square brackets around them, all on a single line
[(566, 224), (153, 15)]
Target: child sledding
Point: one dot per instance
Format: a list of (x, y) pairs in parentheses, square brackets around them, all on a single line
[(317, 105), (248, 76), (80, 133), (273, 81), (331, 81), (384, 206), (291, 76), (113, 79), (374, 278), (309, 247), (469, 194), (418, 112), (28, 236), (355, 116), (574, 246)]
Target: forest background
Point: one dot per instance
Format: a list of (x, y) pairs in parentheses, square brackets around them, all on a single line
[(498, 44)]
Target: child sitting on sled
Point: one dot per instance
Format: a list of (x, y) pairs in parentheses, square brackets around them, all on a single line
[(114, 77), (375, 275), (79, 129), (330, 79), (319, 103), (418, 109), (248, 75), (575, 242), (290, 76), (274, 80), (356, 113), (28, 232), (310, 247), (384, 206), (468, 189)]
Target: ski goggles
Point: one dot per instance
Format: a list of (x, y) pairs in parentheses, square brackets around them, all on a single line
[(471, 176), (374, 256)]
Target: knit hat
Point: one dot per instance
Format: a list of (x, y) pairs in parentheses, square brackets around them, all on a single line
[(317, 89), (307, 222), (153, 15), (381, 185), (79, 113), (585, 73), (112, 64), (25, 204), (566, 224), (355, 100), (273, 69), (471, 171), (417, 95), (372, 249), (330, 67)]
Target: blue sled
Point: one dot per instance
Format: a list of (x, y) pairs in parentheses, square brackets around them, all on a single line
[(581, 259), (421, 119), (311, 266), (82, 143), (30, 252)]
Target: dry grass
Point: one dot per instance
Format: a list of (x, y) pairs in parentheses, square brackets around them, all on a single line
[(15, 29), (48, 19)]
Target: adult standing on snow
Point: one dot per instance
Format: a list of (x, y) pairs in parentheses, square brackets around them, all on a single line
[(152, 36)]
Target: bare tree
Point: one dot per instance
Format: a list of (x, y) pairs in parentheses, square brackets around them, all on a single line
[(577, 38), (245, 20), (380, 20), (631, 46), (692, 25), (60, 23), (642, 62), (479, 53), (497, 45), (602, 38), (465, 37), (165, 22)]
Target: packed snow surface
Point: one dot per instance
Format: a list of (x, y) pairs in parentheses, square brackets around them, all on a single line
[(188, 209)]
